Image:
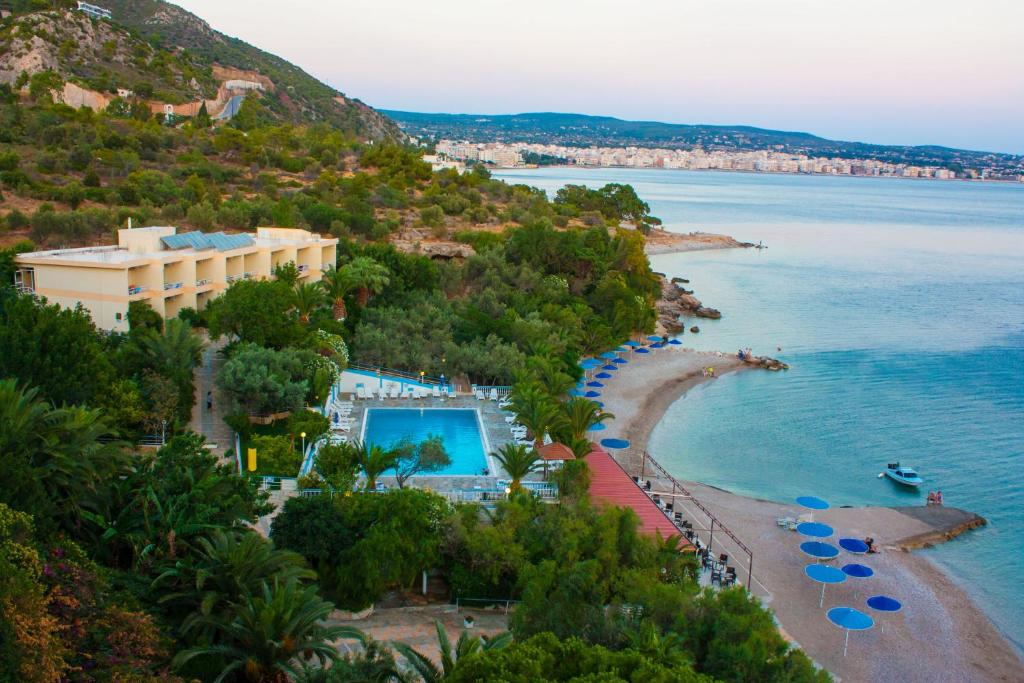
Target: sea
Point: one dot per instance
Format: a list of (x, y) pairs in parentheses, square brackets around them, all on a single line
[(898, 305)]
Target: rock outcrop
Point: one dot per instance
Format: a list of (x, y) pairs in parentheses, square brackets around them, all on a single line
[(676, 302)]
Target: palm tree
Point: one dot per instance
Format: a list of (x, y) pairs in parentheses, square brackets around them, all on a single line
[(368, 277), (307, 297), (549, 375), (336, 285), (536, 411), (176, 351), (372, 460), (580, 414), (517, 461), (227, 567), (466, 645), (262, 636)]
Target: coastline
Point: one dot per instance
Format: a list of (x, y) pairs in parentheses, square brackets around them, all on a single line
[(941, 632)]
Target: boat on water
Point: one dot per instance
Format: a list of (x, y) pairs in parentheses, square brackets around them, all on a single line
[(903, 475)]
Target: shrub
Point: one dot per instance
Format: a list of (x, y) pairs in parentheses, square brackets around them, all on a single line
[(202, 215), (275, 455)]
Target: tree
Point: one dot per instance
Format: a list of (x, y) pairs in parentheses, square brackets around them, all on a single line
[(226, 568), (368, 278), (466, 645), (337, 285), (579, 415), (55, 349), (338, 466), (174, 354), (260, 381), (263, 636), (412, 459), (536, 411), (308, 297), (373, 461), (276, 455), (518, 462), (255, 311)]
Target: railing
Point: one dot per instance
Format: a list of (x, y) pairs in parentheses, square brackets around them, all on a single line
[(172, 285), (156, 440), (203, 282), (303, 269), (232, 278), (461, 602), (134, 290), (681, 496), (390, 372)]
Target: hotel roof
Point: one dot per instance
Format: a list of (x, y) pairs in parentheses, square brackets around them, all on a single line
[(201, 241)]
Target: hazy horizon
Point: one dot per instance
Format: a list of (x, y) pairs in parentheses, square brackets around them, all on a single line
[(919, 73)]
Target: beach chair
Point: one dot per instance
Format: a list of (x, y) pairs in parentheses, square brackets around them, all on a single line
[(436, 392), (494, 395), (394, 393), (451, 392), (479, 395)]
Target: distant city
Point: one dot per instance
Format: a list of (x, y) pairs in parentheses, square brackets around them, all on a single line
[(574, 139), (455, 154)]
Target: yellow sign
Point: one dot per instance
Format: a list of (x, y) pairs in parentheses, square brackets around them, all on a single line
[(252, 459)]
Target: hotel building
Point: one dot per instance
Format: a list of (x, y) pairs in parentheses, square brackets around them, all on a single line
[(169, 271)]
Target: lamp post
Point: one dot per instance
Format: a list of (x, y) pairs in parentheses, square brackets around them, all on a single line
[(303, 435)]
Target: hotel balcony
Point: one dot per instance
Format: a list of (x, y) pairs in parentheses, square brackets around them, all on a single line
[(204, 282), (172, 285)]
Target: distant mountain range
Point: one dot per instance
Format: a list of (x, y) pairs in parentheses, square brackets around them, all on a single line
[(579, 130)]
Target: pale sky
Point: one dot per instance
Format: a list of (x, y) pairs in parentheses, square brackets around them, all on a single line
[(887, 71)]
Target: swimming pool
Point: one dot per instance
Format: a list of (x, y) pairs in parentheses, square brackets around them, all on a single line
[(460, 429)]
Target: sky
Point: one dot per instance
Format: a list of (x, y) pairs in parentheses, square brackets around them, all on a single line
[(885, 71)]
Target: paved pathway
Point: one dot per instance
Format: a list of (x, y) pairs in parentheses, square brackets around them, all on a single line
[(210, 423)]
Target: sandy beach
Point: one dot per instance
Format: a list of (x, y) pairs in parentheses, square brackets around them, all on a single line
[(940, 636), (661, 241)]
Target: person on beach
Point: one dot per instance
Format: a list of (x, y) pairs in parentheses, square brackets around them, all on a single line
[(870, 543)]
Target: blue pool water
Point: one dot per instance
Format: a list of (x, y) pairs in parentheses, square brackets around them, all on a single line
[(459, 429), (899, 305)]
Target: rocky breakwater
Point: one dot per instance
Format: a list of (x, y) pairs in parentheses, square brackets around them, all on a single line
[(676, 302)]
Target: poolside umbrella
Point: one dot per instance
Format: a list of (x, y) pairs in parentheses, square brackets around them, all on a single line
[(611, 367), (654, 338), (812, 503), (620, 361), (824, 574), (819, 550), (595, 384), (607, 354), (592, 394), (632, 343), (858, 571), (814, 529), (849, 619), (853, 545), (615, 443), (643, 350), (603, 375), (599, 427), (883, 603)]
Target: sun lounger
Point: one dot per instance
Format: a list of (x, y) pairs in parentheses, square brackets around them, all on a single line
[(479, 395), (494, 395), (435, 392)]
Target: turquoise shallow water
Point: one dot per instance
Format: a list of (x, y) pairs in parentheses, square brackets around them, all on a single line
[(899, 306), (458, 429)]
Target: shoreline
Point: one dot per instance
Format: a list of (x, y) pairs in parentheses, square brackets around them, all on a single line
[(942, 630)]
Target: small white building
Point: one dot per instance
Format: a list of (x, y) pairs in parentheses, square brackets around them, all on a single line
[(94, 11)]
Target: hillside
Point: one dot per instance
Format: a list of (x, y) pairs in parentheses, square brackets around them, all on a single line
[(578, 130), (165, 55)]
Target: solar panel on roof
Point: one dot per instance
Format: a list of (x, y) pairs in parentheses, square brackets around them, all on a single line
[(200, 241)]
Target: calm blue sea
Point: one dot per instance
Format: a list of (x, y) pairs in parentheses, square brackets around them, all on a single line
[(899, 305)]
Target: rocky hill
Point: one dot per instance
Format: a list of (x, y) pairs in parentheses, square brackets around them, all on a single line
[(164, 54)]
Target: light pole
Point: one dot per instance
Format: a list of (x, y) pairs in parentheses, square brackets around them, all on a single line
[(303, 435)]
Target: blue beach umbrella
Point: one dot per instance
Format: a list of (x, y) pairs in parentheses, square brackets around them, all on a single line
[(675, 342), (599, 427), (620, 361), (599, 404), (575, 392), (812, 503), (853, 545), (611, 367), (819, 550), (814, 529), (603, 375), (858, 571), (883, 603), (643, 350), (654, 338), (632, 343), (592, 394), (607, 354), (595, 384), (615, 443), (589, 363), (849, 619), (824, 574)]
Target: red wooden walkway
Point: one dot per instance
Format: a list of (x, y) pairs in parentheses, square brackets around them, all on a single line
[(609, 484)]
